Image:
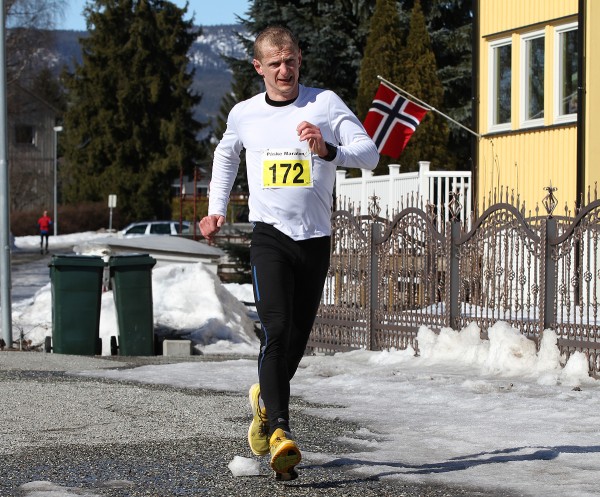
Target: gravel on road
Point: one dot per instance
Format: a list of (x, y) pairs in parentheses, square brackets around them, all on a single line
[(98, 437)]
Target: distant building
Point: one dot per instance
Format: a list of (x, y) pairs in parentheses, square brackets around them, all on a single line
[(31, 150)]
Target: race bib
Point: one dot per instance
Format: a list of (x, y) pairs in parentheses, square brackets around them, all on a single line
[(287, 168)]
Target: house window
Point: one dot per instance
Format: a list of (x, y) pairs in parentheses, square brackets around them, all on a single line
[(500, 88), (24, 134), (567, 77), (532, 71)]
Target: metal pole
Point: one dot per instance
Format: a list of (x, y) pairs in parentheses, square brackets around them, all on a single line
[(454, 293), (180, 199), (5, 276), (550, 276), (195, 198), (57, 129), (427, 106)]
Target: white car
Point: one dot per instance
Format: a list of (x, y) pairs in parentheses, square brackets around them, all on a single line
[(155, 228)]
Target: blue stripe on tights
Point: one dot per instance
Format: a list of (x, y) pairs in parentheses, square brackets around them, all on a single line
[(255, 284)]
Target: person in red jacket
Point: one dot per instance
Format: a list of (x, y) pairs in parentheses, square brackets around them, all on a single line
[(44, 223)]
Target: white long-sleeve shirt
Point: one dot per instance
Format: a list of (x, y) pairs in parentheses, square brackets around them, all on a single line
[(290, 188)]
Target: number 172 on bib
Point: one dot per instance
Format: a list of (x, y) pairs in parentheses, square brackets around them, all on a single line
[(292, 170)]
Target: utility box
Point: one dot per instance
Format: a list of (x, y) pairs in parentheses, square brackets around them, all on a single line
[(76, 282), (131, 281)]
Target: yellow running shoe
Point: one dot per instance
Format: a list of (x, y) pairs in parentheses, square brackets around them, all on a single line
[(285, 454), (258, 432)]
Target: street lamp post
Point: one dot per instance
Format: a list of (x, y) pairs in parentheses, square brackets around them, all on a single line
[(57, 129), (5, 300), (195, 198)]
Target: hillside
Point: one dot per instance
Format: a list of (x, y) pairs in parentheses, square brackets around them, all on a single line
[(212, 76)]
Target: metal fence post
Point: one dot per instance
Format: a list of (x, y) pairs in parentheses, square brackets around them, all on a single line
[(454, 290), (549, 232), (374, 229), (549, 293)]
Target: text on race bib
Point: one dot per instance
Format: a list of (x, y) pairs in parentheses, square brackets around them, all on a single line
[(286, 168)]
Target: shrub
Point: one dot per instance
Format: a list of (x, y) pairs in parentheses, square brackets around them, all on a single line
[(73, 218)]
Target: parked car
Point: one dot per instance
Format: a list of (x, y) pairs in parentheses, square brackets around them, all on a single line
[(154, 228)]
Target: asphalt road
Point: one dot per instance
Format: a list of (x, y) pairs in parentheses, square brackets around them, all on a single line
[(29, 272), (96, 437)]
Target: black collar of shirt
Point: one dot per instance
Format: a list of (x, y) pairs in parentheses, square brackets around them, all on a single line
[(277, 103)]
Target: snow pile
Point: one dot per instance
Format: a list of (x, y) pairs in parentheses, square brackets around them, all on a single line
[(189, 302), (243, 466)]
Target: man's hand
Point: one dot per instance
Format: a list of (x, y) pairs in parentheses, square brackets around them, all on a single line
[(312, 134), (210, 225)]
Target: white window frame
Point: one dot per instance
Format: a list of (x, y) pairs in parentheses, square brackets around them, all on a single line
[(492, 88), (558, 62), (524, 83)]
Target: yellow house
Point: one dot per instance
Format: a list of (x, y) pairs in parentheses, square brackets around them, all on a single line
[(537, 61)]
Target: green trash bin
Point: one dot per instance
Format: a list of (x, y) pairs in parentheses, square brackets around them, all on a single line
[(131, 281), (76, 282)]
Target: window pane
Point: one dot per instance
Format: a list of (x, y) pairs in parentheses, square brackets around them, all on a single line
[(160, 228), (140, 229), (502, 74), (25, 134), (568, 72), (535, 78)]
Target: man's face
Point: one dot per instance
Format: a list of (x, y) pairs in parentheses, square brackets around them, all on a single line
[(280, 69)]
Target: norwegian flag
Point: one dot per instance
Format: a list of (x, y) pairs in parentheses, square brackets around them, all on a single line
[(391, 121)]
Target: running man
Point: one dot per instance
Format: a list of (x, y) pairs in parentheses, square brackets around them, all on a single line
[(295, 137)]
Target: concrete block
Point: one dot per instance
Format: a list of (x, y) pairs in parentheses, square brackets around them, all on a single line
[(177, 348)]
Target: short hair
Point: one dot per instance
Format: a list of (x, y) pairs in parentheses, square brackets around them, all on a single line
[(276, 36)]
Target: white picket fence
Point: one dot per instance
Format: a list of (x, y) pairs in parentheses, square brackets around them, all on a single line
[(397, 190)]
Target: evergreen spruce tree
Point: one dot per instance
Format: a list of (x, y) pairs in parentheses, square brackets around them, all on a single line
[(381, 54), (129, 129), (381, 57), (451, 28), (46, 85), (420, 78)]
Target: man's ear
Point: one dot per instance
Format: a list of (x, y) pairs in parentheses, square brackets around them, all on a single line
[(299, 58), (257, 65)]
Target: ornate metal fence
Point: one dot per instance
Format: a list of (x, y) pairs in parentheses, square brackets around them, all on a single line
[(344, 315), (409, 284), (574, 280), (389, 277), (500, 272)]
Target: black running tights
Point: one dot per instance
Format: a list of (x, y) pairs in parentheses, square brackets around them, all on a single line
[(288, 278)]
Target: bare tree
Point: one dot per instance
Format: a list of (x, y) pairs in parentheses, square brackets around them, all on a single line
[(29, 24)]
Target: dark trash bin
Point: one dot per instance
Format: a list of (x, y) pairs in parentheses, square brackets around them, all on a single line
[(76, 282), (131, 281)]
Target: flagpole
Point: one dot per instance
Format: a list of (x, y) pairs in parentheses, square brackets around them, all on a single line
[(427, 106)]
